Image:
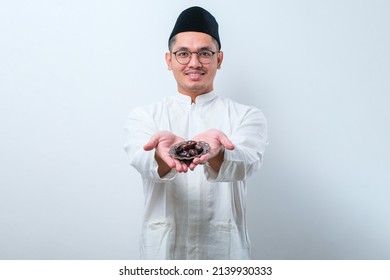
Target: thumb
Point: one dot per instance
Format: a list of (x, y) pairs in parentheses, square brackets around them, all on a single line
[(225, 141), (153, 142)]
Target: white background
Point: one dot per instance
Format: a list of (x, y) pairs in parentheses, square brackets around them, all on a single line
[(71, 70)]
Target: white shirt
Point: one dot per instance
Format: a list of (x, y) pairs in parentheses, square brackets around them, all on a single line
[(200, 214)]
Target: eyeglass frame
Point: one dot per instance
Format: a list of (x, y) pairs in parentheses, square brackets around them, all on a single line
[(197, 55)]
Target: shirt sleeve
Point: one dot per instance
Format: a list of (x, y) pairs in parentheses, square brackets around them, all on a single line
[(139, 127), (250, 138)]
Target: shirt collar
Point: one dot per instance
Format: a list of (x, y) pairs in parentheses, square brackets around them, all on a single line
[(200, 99)]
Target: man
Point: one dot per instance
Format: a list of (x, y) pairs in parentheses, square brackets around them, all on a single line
[(195, 210)]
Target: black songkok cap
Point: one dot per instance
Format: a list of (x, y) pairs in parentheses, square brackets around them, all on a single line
[(196, 19)]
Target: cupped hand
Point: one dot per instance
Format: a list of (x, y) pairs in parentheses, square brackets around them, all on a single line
[(218, 142), (162, 141)]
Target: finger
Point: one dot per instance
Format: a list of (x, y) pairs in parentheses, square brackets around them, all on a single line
[(169, 161), (192, 166), (195, 161), (153, 142), (203, 159), (200, 160), (225, 141), (184, 167), (181, 166)]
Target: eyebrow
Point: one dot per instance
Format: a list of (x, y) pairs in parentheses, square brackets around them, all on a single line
[(207, 48)]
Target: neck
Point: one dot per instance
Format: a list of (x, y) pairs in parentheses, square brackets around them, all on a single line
[(192, 96)]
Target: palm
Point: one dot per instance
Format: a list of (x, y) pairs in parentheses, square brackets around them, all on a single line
[(167, 140), (212, 140), (162, 141), (217, 141)]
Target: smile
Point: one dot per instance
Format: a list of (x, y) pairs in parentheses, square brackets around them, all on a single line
[(195, 75)]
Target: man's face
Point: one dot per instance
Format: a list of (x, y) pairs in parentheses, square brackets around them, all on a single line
[(194, 78)]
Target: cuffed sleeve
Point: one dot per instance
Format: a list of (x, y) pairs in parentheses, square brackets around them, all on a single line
[(139, 127), (250, 138)]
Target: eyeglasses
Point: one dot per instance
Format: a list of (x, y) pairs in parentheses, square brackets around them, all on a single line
[(204, 56)]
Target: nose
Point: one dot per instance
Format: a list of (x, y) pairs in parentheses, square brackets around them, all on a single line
[(194, 62)]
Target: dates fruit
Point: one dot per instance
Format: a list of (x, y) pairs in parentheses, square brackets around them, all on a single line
[(188, 150)]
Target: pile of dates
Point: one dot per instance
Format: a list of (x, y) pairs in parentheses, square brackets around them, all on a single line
[(188, 150)]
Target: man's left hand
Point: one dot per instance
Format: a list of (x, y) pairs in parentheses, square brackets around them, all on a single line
[(218, 142)]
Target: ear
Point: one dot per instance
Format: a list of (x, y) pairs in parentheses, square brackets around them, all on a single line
[(168, 59), (220, 59)]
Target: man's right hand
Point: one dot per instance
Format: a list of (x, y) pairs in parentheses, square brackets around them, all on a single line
[(162, 141)]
